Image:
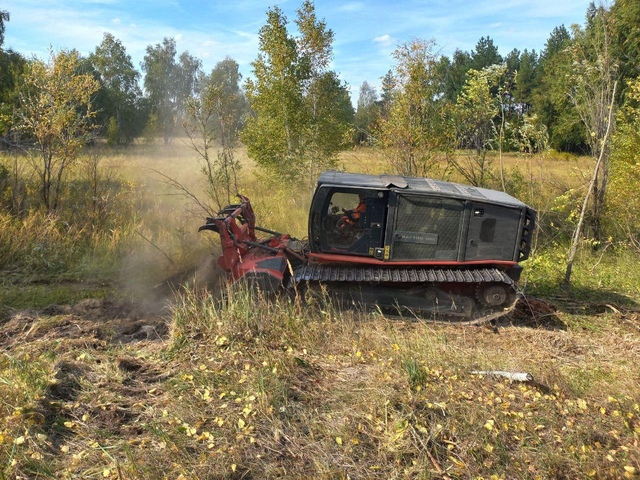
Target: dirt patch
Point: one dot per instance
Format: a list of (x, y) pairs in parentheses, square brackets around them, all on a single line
[(106, 309), (535, 313), (108, 320), (67, 385), (139, 376)]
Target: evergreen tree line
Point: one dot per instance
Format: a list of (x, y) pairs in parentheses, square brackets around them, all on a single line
[(533, 85)]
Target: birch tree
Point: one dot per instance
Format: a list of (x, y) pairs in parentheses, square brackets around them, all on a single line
[(474, 114), (213, 123), (273, 131), (4, 17), (414, 131), (56, 112), (593, 93), (169, 84), (120, 85), (300, 110)]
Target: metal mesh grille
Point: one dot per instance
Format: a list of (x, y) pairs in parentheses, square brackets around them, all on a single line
[(494, 235), (440, 217)]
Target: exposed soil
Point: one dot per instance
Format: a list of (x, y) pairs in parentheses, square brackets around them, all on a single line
[(112, 321), (534, 312)]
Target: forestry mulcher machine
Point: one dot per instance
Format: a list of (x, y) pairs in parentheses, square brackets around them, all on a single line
[(437, 250)]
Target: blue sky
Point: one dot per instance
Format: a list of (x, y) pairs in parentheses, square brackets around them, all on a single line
[(366, 32)]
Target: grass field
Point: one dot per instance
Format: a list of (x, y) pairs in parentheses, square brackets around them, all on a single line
[(106, 372)]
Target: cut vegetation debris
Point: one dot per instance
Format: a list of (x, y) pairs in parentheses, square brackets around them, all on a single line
[(110, 389)]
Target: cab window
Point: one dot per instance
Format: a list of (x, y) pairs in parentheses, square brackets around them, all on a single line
[(345, 219)]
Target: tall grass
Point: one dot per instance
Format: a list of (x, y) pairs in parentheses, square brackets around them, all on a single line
[(120, 226), (41, 244), (602, 275)]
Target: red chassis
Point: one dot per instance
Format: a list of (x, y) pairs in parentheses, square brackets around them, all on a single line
[(266, 263)]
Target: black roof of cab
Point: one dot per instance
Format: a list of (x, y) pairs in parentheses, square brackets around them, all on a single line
[(417, 185)]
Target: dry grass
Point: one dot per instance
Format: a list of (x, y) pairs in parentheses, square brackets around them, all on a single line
[(278, 389)]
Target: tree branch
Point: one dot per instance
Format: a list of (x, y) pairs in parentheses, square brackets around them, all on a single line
[(576, 234)]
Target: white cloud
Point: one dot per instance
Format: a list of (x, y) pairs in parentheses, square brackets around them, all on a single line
[(250, 35), (384, 40), (352, 7), (116, 21)]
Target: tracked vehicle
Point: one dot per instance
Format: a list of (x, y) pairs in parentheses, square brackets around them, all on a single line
[(414, 246)]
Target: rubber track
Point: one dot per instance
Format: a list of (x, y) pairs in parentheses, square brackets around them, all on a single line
[(332, 273)]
